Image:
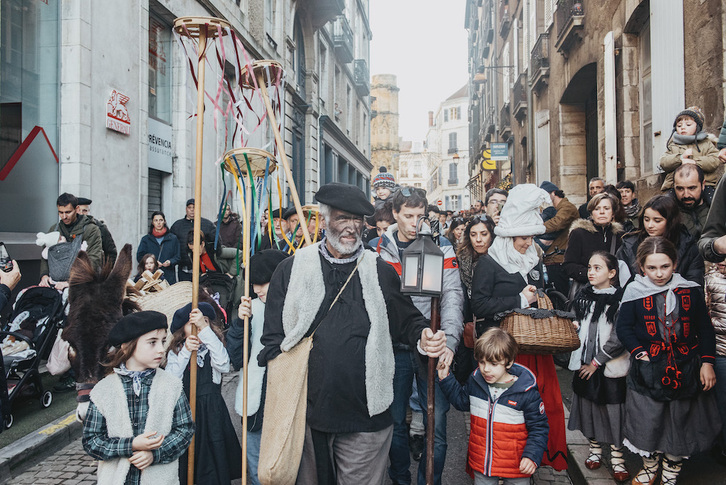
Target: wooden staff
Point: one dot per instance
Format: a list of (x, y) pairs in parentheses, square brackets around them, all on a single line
[(262, 84), (431, 396), (201, 28)]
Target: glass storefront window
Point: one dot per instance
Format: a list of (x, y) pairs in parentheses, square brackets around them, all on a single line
[(159, 69)]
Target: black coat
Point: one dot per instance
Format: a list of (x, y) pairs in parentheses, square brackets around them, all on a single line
[(181, 229), (585, 239), (494, 290), (690, 263), (168, 250)]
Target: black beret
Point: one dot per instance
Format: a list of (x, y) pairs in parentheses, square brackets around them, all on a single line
[(84, 201), (263, 264), (135, 325), (276, 214), (190, 202), (290, 211), (181, 316), (345, 197)]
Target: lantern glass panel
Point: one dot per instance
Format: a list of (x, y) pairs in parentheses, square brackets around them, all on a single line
[(410, 270), (432, 272)]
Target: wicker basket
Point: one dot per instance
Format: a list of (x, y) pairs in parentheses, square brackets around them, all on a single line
[(543, 330)]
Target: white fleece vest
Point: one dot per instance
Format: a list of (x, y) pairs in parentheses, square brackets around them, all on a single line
[(305, 294), (110, 399)]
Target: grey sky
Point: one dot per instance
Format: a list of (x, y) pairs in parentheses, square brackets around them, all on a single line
[(424, 43)]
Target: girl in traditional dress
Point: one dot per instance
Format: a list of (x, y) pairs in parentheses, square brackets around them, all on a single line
[(218, 455), (663, 322), (600, 364)]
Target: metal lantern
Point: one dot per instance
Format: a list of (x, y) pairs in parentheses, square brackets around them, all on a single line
[(422, 266)]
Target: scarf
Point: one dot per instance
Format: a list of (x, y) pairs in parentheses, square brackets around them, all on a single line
[(467, 261), (502, 251), (135, 375), (633, 209), (689, 139), (602, 298), (642, 287), (161, 233)]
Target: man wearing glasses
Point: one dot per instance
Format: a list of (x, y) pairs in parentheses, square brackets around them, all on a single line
[(493, 203), (409, 205)]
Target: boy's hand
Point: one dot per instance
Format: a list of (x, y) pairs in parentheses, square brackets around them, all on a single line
[(245, 308), (192, 343), (141, 459), (527, 466), (147, 441), (722, 155), (197, 319), (708, 376), (443, 370)]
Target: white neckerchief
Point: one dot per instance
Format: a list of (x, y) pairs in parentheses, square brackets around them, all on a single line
[(642, 287), (502, 251)]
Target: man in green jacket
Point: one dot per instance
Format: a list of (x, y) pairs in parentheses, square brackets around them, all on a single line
[(70, 226)]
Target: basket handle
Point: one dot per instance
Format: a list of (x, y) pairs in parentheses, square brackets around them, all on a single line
[(543, 301)]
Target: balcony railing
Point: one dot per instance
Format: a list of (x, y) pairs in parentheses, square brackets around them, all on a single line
[(570, 18), (541, 62), (505, 124), (361, 77), (343, 39), (519, 97)]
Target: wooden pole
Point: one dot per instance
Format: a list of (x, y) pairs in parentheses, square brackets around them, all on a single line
[(431, 396), (197, 239), (245, 348), (283, 156)]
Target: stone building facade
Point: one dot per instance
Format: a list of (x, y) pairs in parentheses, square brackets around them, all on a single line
[(61, 60), (384, 124), (589, 88)]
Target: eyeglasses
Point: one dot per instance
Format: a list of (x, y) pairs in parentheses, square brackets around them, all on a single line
[(409, 191)]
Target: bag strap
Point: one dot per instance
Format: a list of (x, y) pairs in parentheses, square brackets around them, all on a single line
[(612, 243), (350, 276)]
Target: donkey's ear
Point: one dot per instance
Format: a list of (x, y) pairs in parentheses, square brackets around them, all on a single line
[(82, 271)]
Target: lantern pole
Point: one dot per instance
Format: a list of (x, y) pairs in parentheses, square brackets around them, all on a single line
[(431, 395)]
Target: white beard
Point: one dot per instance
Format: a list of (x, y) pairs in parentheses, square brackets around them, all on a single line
[(341, 247)]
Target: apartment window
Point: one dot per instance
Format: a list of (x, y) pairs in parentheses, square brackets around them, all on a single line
[(446, 116), (646, 106), (452, 142), (455, 113), (324, 85), (159, 69), (348, 108), (453, 174), (454, 203)]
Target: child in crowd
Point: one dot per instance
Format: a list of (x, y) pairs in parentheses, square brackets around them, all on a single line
[(716, 299), (147, 263), (664, 324), (262, 265), (217, 456), (690, 144), (138, 422), (507, 413), (383, 185), (600, 364)]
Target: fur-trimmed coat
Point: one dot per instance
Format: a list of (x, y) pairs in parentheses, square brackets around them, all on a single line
[(586, 238)]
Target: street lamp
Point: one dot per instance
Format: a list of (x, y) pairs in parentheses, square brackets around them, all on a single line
[(423, 275)]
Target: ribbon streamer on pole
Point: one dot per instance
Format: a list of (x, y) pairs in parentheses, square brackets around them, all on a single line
[(202, 29)]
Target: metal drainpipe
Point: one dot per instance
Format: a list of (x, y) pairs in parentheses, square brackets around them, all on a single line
[(495, 83), (530, 98)]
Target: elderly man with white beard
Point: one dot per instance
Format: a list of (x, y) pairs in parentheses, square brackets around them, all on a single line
[(351, 299)]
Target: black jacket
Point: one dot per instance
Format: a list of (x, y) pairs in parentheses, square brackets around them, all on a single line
[(181, 230), (585, 239), (690, 263)]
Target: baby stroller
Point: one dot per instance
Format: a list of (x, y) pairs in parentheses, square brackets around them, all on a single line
[(28, 339)]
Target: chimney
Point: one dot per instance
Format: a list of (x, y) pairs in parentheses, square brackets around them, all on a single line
[(431, 119)]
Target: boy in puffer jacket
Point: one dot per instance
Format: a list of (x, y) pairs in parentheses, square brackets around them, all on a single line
[(508, 422), (716, 300)]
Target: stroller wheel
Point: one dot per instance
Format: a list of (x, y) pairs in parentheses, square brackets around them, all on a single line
[(8, 421), (46, 399)]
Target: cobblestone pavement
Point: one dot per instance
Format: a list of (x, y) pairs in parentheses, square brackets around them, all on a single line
[(71, 466)]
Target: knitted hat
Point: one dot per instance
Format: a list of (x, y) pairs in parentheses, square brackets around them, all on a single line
[(263, 264), (520, 215), (695, 113), (135, 325), (181, 316), (384, 179), (548, 186)]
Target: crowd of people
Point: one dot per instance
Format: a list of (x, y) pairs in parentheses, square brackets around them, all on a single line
[(649, 375)]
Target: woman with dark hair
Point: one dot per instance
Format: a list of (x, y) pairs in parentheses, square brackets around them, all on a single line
[(478, 235), (455, 233), (163, 244), (661, 217), (599, 232)]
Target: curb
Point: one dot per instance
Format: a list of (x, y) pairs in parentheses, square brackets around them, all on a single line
[(35, 446), (577, 451)]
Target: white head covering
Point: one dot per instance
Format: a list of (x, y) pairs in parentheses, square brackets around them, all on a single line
[(520, 214)]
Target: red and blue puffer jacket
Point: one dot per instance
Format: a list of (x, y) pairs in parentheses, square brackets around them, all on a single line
[(505, 430)]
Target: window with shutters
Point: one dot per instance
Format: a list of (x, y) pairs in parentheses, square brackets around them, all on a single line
[(549, 11), (646, 106), (452, 142), (453, 174)]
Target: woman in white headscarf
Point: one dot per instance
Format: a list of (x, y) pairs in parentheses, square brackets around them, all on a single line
[(507, 278)]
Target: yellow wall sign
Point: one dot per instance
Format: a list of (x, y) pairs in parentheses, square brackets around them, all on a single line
[(487, 163)]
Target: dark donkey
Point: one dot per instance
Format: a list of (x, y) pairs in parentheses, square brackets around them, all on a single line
[(96, 302)]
